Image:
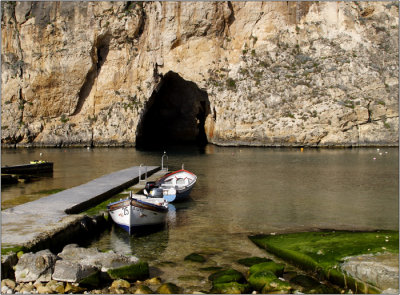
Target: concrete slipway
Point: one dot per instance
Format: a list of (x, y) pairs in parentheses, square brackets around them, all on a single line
[(50, 220)]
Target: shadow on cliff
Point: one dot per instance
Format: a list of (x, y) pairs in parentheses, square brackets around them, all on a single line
[(175, 114)]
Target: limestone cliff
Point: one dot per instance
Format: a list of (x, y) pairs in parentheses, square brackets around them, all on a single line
[(251, 73)]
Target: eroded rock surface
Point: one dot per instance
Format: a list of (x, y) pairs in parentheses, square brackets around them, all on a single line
[(270, 73)]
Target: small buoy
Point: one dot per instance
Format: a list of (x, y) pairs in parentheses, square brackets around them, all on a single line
[(88, 148), (40, 154), (377, 150), (374, 158), (301, 149), (380, 154), (385, 152)]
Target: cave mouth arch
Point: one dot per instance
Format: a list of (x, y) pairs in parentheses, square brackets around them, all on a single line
[(174, 115)]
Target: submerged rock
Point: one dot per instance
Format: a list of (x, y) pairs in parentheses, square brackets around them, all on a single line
[(195, 257), (227, 276), (261, 278), (230, 288), (253, 260), (277, 269), (35, 267), (137, 271)]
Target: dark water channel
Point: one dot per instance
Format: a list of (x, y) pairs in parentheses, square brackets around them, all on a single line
[(240, 191)]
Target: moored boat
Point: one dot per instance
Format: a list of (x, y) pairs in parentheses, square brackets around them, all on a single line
[(182, 181), (138, 211), (34, 167)]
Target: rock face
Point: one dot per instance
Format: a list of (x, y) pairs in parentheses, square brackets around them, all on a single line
[(35, 267), (251, 73)]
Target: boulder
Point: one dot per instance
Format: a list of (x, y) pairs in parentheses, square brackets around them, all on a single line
[(8, 261), (227, 276), (73, 272), (277, 269), (92, 257), (35, 267), (253, 260)]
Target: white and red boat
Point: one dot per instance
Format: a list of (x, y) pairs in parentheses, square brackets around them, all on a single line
[(181, 182)]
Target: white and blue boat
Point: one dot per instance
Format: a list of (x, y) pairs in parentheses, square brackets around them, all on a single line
[(174, 187), (138, 211)]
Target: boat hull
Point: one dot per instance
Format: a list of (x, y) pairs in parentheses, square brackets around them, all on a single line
[(132, 214), (182, 181), (46, 167)]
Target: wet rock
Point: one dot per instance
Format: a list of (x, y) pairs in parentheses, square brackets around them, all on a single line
[(195, 257), (230, 288), (210, 268), (9, 283), (119, 284), (73, 288), (91, 281), (142, 289), (56, 287), (35, 266), (137, 271), (26, 288), (277, 269), (68, 271), (191, 278), (277, 286), (259, 279), (253, 260), (153, 281), (227, 276), (8, 261), (381, 270), (168, 288)]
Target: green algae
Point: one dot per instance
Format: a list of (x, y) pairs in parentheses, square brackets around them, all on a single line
[(275, 268), (143, 289), (322, 252), (250, 261), (260, 278), (210, 268), (227, 276), (168, 288), (230, 288), (93, 280), (137, 271), (8, 249)]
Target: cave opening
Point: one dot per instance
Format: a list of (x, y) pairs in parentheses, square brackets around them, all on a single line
[(174, 115)]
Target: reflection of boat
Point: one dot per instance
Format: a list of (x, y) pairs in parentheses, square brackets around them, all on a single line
[(182, 181), (138, 211)]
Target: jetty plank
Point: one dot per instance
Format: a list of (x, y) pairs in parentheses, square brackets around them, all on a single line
[(27, 223)]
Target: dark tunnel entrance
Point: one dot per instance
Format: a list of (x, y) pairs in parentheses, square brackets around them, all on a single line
[(174, 115)]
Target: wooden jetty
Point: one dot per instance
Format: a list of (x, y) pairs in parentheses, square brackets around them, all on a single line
[(43, 221), (33, 168)]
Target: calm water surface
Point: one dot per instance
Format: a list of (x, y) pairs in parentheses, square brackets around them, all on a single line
[(240, 191)]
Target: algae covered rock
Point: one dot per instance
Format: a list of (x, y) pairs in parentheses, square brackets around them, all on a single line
[(143, 289), (137, 271), (250, 261), (227, 276), (168, 288), (92, 280), (230, 288), (276, 286), (210, 268), (195, 257), (275, 268), (259, 279)]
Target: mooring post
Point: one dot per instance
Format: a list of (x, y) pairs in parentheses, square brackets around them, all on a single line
[(183, 166), (162, 161), (140, 173)]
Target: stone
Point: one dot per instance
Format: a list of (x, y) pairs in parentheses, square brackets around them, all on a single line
[(230, 288), (258, 280), (9, 283), (277, 286), (68, 271), (120, 284), (35, 266), (137, 271), (142, 289), (56, 287), (381, 270), (253, 260), (275, 268), (153, 281), (73, 288), (195, 257), (168, 288), (227, 276)]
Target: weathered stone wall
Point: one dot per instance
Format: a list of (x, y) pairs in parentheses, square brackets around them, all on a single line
[(276, 73)]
